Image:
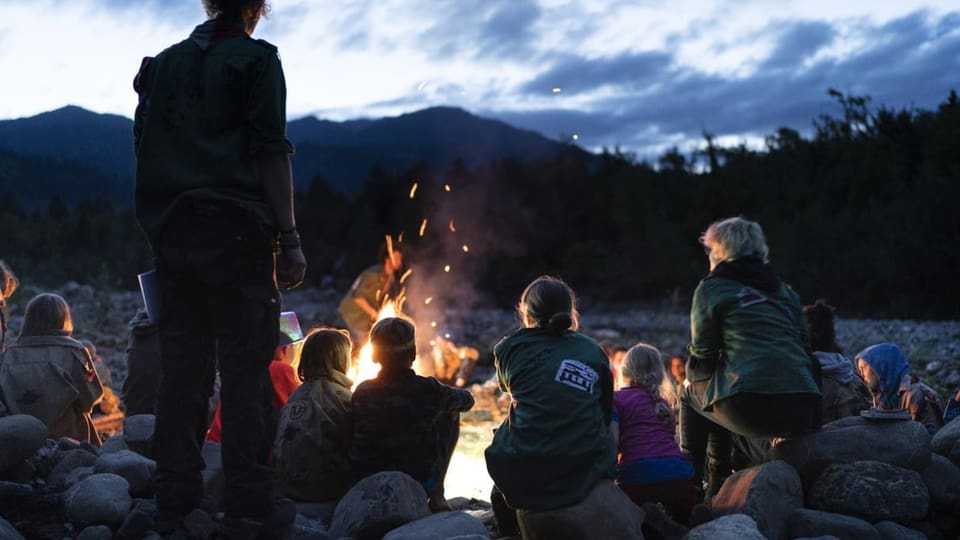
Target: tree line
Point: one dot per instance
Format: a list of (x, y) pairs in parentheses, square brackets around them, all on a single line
[(861, 212)]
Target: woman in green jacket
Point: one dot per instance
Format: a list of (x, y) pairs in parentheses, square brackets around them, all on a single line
[(556, 445), (751, 371)]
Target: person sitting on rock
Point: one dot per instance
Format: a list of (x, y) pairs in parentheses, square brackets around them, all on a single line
[(887, 373), (50, 375), (555, 449), (651, 466), (402, 421), (283, 376), (844, 392), (8, 285), (316, 425), (750, 370)]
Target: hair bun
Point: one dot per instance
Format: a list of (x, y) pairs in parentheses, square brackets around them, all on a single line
[(560, 321)]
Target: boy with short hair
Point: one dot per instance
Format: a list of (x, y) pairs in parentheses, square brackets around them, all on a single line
[(402, 421)]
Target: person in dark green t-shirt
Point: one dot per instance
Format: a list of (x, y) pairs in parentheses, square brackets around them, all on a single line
[(362, 303), (214, 195)]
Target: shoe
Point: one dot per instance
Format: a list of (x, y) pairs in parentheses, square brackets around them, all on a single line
[(273, 527)]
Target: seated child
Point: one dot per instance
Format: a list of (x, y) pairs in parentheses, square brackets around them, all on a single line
[(402, 421), (283, 375), (315, 429), (887, 373), (651, 466)]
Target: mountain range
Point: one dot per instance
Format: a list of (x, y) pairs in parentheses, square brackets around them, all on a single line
[(76, 154)]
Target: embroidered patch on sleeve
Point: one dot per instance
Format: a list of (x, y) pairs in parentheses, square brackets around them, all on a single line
[(577, 375)]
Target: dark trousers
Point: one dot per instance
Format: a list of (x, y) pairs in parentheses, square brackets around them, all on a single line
[(707, 435), (220, 311), (677, 496)]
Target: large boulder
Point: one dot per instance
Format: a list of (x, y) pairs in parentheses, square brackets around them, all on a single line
[(871, 490), (605, 513), (659, 524), (8, 532), (95, 532), (378, 504), (14, 495), (890, 530), (138, 433), (135, 468), (101, 499), (813, 523), (20, 436), (946, 442), (729, 527), (439, 527), (769, 493), (114, 444), (904, 444), (942, 478), (70, 460)]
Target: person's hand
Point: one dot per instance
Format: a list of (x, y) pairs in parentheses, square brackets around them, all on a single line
[(291, 267)]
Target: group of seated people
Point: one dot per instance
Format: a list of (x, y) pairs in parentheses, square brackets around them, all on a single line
[(761, 366)]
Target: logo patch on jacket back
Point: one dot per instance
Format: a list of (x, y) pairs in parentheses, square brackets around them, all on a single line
[(577, 375), (749, 296)]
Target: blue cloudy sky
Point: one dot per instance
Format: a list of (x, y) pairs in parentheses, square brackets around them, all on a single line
[(639, 74)]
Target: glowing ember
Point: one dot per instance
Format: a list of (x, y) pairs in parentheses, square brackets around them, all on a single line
[(400, 238), (433, 324), (466, 248), (428, 300), (423, 226), (452, 228), (406, 275), (389, 246), (446, 187), (413, 190), (446, 268)]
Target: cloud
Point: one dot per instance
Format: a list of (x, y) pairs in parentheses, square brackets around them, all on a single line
[(480, 29), (798, 42), (641, 100), (630, 71)]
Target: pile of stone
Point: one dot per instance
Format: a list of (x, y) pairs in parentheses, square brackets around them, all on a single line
[(66, 489), (854, 479)]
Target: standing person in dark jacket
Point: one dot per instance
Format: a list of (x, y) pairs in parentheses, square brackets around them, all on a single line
[(402, 421), (214, 195), (750, 369)]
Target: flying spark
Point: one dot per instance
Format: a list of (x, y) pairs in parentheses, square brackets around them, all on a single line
[(446, 268), (423, 226), (466, 248), (446, 187), (427, 301), (433, 324), (406, 275), (413, 190), (452, 228)]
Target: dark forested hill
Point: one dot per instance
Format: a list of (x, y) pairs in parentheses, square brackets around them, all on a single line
[(72, 142)]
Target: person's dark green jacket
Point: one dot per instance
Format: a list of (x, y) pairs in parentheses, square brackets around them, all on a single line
[(556, 443), (208, 105), (748, 334)]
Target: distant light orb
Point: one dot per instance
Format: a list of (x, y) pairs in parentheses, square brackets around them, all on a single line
[(576, 137), (557, 90)]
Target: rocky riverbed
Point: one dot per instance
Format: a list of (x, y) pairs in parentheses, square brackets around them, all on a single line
[(933, 347)]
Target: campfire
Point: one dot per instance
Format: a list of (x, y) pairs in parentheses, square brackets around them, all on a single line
[(365, 368)]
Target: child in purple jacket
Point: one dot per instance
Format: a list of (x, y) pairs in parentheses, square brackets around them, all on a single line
[(651, 467)]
